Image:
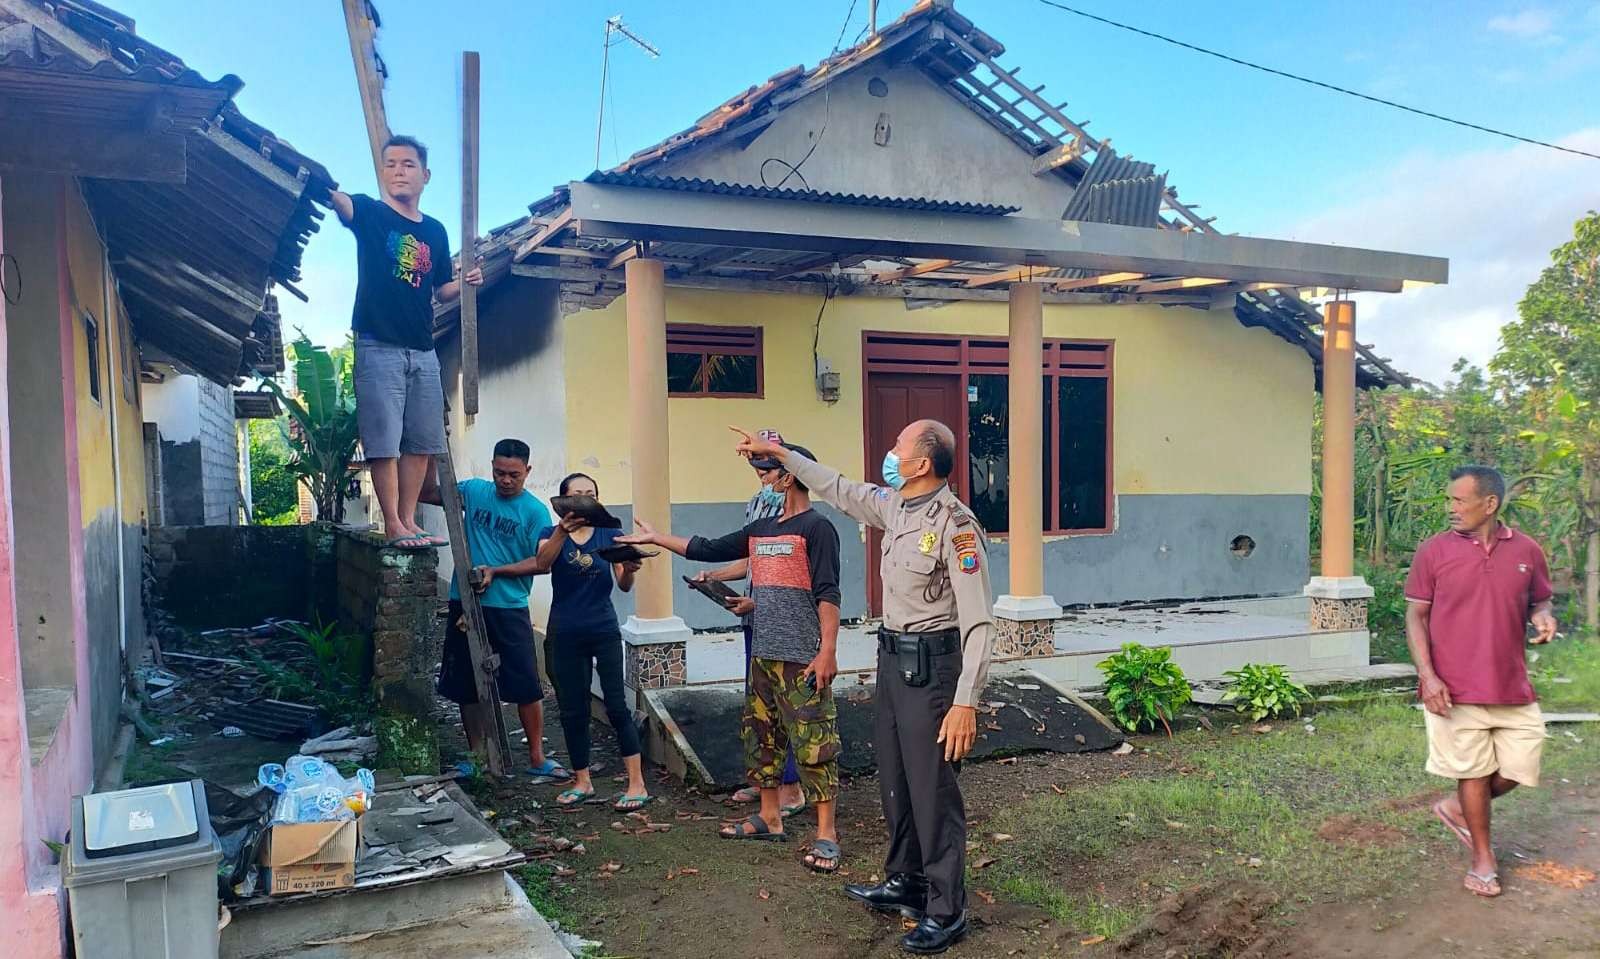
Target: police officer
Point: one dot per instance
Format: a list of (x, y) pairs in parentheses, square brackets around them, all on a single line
[(933, 657)]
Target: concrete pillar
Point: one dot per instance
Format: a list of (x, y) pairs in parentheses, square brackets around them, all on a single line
[(647, 423), (1338, 439), (1026, 424), (1338, 596), (1025, 617), (652, 624)]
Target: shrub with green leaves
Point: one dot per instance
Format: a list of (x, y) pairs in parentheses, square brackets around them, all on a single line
[(1261, 691), (1144, 686)]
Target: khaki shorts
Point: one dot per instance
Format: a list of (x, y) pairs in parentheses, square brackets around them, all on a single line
[(1475, 741)]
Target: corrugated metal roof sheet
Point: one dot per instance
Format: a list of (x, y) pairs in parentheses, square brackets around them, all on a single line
[(1117, 190), (686, 185)]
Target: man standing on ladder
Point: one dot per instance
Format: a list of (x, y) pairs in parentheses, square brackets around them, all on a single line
[(403, 264)]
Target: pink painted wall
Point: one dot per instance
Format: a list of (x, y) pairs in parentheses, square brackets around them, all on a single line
[(35, 798)]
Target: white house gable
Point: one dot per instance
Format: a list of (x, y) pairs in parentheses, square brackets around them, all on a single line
[(885, 130)]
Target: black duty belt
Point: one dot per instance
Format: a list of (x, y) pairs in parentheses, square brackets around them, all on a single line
[(939, 643)]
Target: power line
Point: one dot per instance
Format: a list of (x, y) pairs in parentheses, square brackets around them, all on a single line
[(845, 26), (1318, 83)]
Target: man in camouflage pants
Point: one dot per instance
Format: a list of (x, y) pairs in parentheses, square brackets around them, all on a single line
[(794, 602)]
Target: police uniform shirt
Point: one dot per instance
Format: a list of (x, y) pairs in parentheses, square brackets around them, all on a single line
[(934, 568)]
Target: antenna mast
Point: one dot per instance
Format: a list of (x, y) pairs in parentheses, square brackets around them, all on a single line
[(614, 25)]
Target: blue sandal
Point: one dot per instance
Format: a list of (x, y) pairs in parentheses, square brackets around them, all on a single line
[(626, 803), (550, 771), (574, 797)]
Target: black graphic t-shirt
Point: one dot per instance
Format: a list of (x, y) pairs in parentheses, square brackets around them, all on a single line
[(400, 263)]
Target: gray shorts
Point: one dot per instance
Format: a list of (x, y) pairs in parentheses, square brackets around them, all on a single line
[(399, 400)]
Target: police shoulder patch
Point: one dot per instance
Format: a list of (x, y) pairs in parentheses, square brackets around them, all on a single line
[(966, 545), (959, 514)]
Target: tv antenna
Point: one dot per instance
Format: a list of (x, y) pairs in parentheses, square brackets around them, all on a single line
[(616, 32)]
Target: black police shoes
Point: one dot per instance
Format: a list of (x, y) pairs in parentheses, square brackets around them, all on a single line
[(902, 892), (933, 936)]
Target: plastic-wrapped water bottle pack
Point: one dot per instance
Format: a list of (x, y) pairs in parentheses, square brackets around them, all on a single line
[(310, 790)]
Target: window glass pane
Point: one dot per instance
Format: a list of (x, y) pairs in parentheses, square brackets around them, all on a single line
[(683, 372), (1082, 445), (988, 457), (731, 374)]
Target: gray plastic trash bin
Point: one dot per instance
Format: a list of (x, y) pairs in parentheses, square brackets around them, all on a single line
[(141, 874)]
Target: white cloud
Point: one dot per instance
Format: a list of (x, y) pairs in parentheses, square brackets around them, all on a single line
[(1496, 214), (1530, 24)]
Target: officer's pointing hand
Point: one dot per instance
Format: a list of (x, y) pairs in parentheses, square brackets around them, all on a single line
[(958, 732), (751, 445)]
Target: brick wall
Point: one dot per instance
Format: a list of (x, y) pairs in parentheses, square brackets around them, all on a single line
[(219, 454), (204, 577), (394, 595)]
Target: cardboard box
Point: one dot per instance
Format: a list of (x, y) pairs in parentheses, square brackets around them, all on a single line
[(310, 857)]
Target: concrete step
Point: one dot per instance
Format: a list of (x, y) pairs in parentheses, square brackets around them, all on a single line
[(513, 930)]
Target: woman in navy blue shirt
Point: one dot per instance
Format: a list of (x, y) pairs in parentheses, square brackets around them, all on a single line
[(585, 639)]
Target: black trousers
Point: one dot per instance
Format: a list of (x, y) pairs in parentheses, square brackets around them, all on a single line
[(921, 798), (578, 656)]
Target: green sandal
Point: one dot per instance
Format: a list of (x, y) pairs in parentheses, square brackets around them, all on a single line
[(626, 803), (574, 797)]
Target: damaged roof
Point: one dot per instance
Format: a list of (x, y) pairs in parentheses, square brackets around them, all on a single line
[(208, 210), (963, 61), (714, 187)]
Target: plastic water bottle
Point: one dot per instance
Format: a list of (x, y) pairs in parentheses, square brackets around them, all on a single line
[(271, 775)]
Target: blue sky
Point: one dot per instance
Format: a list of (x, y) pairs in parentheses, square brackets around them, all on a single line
[(1266, 156)]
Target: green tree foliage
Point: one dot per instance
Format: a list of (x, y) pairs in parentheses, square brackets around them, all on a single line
[(272, 481), (323, 433), (1534, 415)]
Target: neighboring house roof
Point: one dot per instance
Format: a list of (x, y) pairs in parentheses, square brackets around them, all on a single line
[(696, 185), (197, 247), (962, 60), (256, 405)]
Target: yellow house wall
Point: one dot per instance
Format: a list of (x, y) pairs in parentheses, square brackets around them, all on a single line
[(1202, 404), (92, 290)]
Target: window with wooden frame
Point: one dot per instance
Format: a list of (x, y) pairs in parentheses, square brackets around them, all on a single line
[(1077, 437), (91, 337), (713, 360)]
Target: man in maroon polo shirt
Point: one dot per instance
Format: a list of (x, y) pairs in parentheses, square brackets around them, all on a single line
[(1470, 596)]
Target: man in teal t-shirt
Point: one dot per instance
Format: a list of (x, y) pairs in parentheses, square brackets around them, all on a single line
[(502, 521)]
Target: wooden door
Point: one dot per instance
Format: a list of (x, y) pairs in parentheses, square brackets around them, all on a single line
[(893, 400)]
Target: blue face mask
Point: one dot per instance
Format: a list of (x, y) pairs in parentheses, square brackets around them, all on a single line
[(891, 470), (770, 496)]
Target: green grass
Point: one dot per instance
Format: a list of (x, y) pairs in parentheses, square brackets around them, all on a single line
[(1576, 659), (1094, 916), (550, 899), (146, 764), (1248, 806)]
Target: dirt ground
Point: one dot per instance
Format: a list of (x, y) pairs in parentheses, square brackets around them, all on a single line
[(665, 887), (1306, 837)]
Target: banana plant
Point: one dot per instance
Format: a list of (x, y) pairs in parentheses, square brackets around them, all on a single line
[(322, 432)]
